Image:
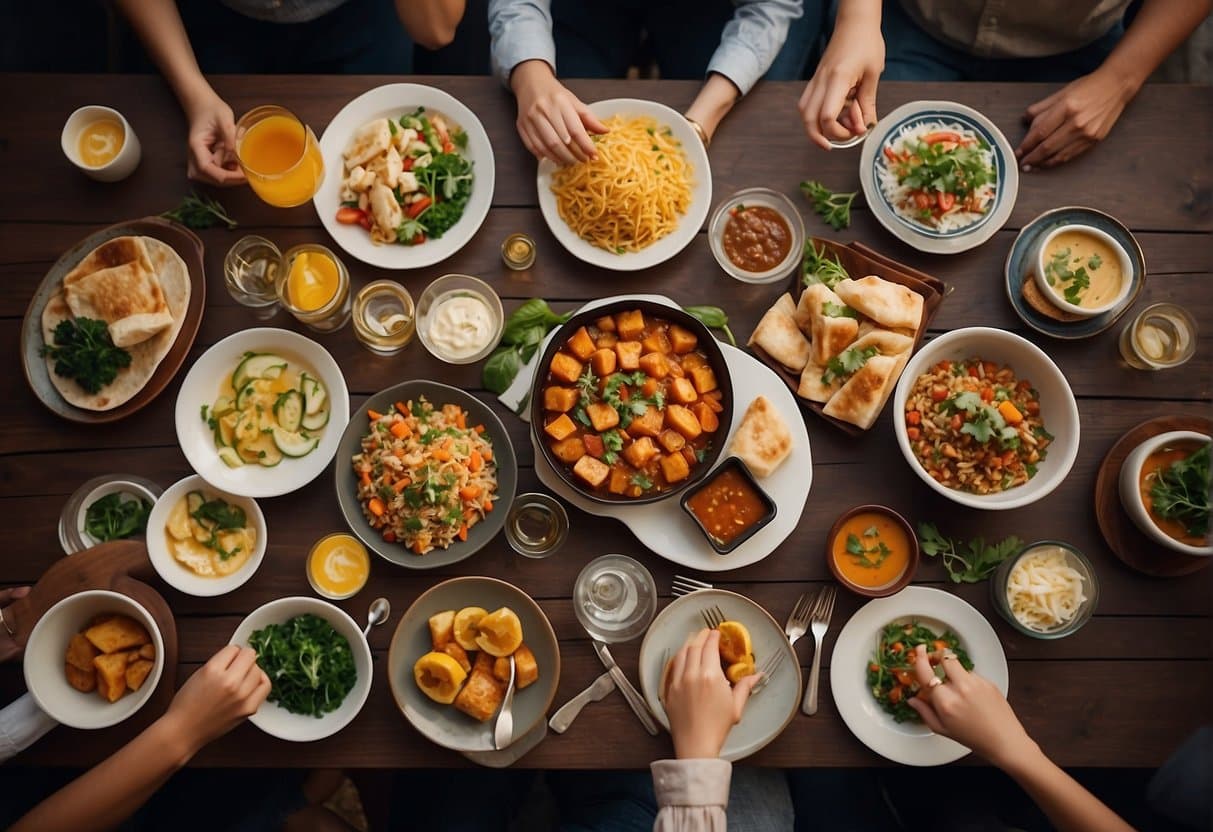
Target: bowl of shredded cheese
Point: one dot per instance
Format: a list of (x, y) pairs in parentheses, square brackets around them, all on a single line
[(1046, 591)]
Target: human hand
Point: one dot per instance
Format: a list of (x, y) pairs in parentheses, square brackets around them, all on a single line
[(839, 102), (220, 695), (969, 709), (1070, 121), (212, 140), (9, 649), (699, 701), (552, 122)]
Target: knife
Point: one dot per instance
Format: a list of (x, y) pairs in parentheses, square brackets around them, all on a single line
[(563, 718), (633, 697)]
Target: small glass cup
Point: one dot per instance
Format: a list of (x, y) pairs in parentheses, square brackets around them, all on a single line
[(614, 598), (1075, 560), (384, 317), (335, 313), (73, 536), (518, 252), (352, 547), (537, 525), (290, 179), (250, 272), (1162, 336), (449, 287)]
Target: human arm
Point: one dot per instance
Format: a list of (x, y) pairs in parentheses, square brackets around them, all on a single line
[(219, 696), (9, 648), (839, 102), (972, 711), (212, 126), (431, 23), (702, 707), (1072, 120)]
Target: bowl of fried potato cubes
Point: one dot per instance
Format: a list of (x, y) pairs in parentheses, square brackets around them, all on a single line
[(449, 662), (93, 659)]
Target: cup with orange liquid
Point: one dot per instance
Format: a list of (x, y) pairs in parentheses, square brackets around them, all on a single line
[(314, 286), (279, 155), (100, 142)]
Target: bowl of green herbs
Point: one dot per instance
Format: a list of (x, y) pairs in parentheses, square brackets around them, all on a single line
[(319, 665), (110, 507), (1164, 487)]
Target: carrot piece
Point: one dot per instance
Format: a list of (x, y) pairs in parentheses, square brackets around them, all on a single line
[(487, 453), (416, 547), (400, 430), (1010, 412), (376, 506), (365, 479), (402, 408), (463, 532), (913, 418), (374, 415), (401, 484), (469, 492), (488, 506), (479, 428), (461, 420), (475, 462), (398, 453)]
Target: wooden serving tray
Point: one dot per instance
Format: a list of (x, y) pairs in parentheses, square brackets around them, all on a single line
[(120, 566), (859, 261)]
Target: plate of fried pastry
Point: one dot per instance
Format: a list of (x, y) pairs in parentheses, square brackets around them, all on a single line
[(113, 320)]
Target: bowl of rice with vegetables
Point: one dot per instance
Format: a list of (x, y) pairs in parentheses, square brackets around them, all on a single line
[(985, 418), (942, 177)]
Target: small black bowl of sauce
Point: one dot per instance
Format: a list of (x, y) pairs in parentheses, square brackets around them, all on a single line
[(756, 235), (729, 506)]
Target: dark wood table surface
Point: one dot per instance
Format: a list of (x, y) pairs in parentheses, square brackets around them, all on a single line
[(1122, 692)]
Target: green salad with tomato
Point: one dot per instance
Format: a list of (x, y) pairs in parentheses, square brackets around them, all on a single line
[(890, 674)]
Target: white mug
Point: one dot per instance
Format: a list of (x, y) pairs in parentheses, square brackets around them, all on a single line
[(122, 165)]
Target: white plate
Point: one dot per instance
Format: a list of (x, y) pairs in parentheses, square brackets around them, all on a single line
[(909, 743), (668, 530), (921, 237), (770, 711), (177, 575), (392, 101), (279, 722), (201, 387), (688, 224)]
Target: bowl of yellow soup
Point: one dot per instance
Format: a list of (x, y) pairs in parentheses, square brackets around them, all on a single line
[(338, 566), (100, 142), (1083, 270), (872, 551)]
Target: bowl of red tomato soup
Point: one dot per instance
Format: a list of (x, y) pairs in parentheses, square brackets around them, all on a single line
[(872, 551), (756, 235), (729, 507), (1164, 487)]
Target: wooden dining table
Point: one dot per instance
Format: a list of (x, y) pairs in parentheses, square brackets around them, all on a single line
[(1123, 691)]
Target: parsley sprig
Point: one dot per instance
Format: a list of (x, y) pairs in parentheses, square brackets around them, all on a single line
[(834, 208), (846, 363), (819, 267), (84, 351), (1181, 492), (200, 211), (966, 563), (1058, 270), (863, 553)]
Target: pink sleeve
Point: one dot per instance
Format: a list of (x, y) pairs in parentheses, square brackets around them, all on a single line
[(692, 795)]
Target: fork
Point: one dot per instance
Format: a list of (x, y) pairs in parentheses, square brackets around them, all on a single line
[(798, 621), (685, 586), (713, 616), (823, 608)]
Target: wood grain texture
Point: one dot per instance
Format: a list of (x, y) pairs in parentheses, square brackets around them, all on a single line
[(1071, 694)]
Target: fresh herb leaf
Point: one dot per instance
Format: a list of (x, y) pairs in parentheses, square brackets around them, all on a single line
[(310, 664), (968, 563), (846, 363), (197, 211), (819, 267), (838, 310), (713, 317), (641, 481), (834, 208), (84, 351), (1180, 492), (501, 368), (113, 518)]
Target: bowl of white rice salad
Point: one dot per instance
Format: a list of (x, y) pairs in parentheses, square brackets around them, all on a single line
[(1046, 591), (939, 175)]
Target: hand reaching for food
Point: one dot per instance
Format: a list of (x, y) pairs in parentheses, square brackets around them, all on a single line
[(839, 102), (1072, 120), (552, 122), (212, 140), (219, 696), (701, 704), (969, 709), (9, 649)]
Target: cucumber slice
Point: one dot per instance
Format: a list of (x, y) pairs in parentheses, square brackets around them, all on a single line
[(314, 395), (294, 444), (245, 396), (246, 429), (194, 501), (222, 406), (257, 365), (288, 410), (316, 421), (225, 433), (230, 458), (261, 451)]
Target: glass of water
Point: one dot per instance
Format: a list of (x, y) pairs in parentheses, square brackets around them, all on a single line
[(1162, 336), (614, 598), (250, 272)]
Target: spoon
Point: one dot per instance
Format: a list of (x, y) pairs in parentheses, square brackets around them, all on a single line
[(503, 731), (377, 614)]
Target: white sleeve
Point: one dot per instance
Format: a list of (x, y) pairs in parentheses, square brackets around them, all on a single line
[(692, 795), (22, 723), (752, 39), (521, 30)]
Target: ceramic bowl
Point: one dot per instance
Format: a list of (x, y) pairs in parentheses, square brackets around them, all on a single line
[(1057, 297), (895, 585), (1130, 492)]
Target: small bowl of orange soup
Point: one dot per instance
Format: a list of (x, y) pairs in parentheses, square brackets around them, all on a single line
[(338, 566), (872, 551), (729, 506), (1164, 487)]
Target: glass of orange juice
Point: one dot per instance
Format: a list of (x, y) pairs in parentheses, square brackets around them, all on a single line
[(279, 155), (314, 286)]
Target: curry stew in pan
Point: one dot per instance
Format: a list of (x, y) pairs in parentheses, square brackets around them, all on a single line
[(632, 406)]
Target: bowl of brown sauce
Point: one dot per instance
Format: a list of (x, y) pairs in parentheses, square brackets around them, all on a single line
[(729, 506), (756, 235)]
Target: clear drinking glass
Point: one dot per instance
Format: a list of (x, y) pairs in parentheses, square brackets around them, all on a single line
[(614, 598), (384, 317), (250, 272), (1162, 336), (537, 525), (318, 296), (279, 155)]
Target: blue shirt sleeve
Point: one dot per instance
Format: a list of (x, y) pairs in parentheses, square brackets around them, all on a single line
[(521, 30), (752, 39)]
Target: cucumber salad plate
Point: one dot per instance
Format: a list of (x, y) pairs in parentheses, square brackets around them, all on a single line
[(261, 413)]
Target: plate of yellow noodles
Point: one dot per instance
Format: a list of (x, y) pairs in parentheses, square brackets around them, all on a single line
[(644, 197)]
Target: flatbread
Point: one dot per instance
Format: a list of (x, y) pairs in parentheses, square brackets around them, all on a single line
[(780, 338), (762, 440), (866, 326), (829, 335), (887, 303), (884, 340), (116, 283), (861, 399), (1041, 303), (811, 386), (174, 280), (811, 300), (786, 305)]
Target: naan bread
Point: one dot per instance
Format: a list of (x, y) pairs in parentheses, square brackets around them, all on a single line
[(866, 326), (889, 304), (786, 305), (811, 300), (174, 281), (884, 340), (763, 440), (780, 338), (861, 399), (830, 335), (811, 386), (116, 283)]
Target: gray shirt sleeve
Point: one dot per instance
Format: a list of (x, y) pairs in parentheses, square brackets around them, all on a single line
[(521, 30), (752, 39)]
